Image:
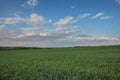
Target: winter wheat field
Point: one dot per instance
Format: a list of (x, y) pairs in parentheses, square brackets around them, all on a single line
[(78, 63)]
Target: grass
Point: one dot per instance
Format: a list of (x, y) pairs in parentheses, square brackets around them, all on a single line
[(80, 63)]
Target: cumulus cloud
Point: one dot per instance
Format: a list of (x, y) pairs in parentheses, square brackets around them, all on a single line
[(52, 34), (98, 15), (64, 22), (36, 20), (35, 34), (30, 3), (30, 31)]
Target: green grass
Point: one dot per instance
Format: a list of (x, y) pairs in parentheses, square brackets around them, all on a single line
[(83, 63)]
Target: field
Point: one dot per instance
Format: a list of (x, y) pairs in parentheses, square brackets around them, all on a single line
[(80, 63)]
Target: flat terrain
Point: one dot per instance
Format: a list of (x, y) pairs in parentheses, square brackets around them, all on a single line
[(81, 63)]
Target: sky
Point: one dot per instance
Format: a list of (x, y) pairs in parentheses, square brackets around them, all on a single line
[(59, 23)]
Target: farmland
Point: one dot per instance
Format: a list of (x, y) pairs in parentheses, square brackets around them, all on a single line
[(80, 63)]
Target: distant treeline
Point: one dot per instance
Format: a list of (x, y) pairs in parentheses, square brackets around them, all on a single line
[(16, 48), (22, 48), (98, 46)]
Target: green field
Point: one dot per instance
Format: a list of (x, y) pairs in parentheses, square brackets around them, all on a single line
[(82, 63)]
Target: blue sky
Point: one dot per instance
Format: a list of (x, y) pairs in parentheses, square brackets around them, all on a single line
[(54, 23)]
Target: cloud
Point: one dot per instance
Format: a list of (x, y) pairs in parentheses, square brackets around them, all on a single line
[(82, 16), (101, 16), (98, 15), (55, 33), (35, 34), (118, 1), (58, 37), (36, 20), (97, 39), (65, 21), (30, 31), (105, 17), (10, 20), (64, 34), (83, 35), (54, 38), (30, 3), (2, 27), (50, 20)]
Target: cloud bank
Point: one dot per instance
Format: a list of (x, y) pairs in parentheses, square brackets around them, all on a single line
[(65, 33)]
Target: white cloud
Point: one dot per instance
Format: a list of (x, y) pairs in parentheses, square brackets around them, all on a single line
[(118, 1), (30, 31), (36, 20), (30, 3), (81, 16), (64, 22), (98, 15), (105, 17), (10, 20), (57, 32), (97, 38), (101, 16)]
